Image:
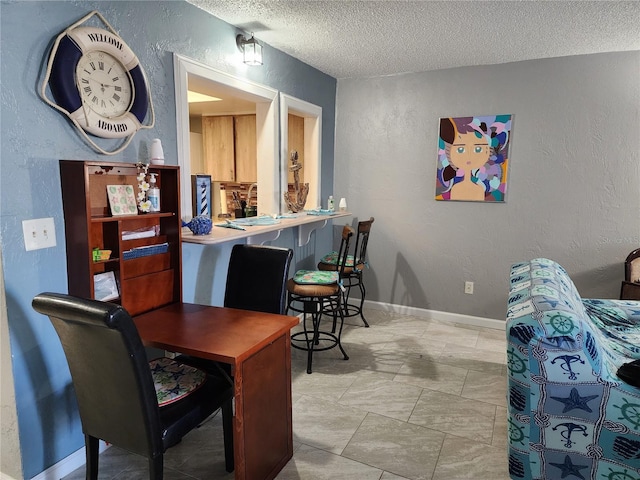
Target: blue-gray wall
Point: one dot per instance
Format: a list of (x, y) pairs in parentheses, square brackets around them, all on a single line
[(573, 190), (35, 137)]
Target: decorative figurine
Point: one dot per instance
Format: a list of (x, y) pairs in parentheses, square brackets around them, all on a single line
[(296, 204)]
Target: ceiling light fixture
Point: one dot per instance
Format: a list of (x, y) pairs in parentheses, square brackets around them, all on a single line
[(251, 49)]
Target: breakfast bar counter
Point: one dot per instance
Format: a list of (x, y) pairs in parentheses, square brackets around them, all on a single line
[(258, 230)]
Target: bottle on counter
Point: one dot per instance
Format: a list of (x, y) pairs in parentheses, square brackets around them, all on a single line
[(330, 204), (153, 194)]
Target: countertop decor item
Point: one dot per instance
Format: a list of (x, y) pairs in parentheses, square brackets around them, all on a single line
[(199, 225), (157, 154), (296, 199), (98, 83)]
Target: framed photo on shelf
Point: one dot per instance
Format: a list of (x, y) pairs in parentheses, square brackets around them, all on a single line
[(201, 193), (122, 200)]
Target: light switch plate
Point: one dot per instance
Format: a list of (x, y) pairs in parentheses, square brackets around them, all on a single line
[(39, 233)]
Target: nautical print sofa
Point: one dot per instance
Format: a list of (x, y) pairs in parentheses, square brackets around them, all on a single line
[(569, 415)]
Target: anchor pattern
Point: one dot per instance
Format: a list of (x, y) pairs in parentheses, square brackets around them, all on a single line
[(569, 415)]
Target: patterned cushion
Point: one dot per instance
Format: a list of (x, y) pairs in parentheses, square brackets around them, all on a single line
[(315, 277), (174, 380), (569, 415), (332, 259)]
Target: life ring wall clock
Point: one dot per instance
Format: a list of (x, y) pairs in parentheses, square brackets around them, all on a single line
[(98, 83)]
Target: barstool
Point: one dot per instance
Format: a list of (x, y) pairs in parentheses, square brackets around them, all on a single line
[(315, 293), (352, 273)]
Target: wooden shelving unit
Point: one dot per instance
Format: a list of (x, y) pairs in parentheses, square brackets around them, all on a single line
[(146, 282)]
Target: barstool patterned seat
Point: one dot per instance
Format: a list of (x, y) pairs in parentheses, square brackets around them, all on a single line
[(315, 294), (354, 267)]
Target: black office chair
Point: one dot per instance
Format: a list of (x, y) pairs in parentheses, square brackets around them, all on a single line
[(114, 384), (352, 274), (256, 280), (317, 293)]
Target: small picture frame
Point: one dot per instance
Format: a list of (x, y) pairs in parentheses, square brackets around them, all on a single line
[(122, 200), (201, 193)]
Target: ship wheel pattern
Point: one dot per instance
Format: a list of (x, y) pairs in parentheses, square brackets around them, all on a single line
[(561, 324), (630, 412), (515, 364), (516, 433), (619, 475)]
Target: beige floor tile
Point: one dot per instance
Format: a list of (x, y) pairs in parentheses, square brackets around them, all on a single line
[(397, 447), (486, 387), (455, 415), (391, 476), (464, 459), (320, 384), (485, 361), (378, 394), (315, 464), (406, 325), (325, 425), (425, 373), (446, 333), (407, 344), (500, 431), (494, 340)]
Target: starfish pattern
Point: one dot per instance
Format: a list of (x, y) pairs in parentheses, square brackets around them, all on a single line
[(574, 400), (568, 468)]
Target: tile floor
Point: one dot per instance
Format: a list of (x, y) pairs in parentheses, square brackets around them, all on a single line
[(418, 399)]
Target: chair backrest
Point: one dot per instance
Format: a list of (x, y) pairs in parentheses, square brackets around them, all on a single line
[(632, 267), (109, 368), (257, 278), (362, 240), (347, 233)]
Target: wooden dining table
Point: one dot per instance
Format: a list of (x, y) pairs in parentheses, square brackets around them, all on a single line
[(257, 346)]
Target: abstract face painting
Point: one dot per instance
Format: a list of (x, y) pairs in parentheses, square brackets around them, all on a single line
[(473, 158)]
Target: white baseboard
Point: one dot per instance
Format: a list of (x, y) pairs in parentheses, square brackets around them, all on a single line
[(438, 315), (67, 465)]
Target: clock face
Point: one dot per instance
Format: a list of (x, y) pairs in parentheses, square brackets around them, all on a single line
[(104, 84)]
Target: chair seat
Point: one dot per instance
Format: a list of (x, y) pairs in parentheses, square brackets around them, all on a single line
[(180, 417), (173, 380), (311, 290)]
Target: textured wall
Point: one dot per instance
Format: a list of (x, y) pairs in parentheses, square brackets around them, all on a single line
[(10, 463), (35, 137), (574, 180)]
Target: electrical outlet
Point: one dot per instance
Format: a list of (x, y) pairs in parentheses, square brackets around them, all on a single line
[(468, 288), (39, 233)]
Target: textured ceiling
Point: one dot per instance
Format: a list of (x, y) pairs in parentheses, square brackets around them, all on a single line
[(346, 39)]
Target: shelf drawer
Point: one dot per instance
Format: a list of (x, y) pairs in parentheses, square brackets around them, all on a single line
[(145, 265), (146, 292)]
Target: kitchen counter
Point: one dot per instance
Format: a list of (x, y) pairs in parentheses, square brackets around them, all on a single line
[(260, 233)]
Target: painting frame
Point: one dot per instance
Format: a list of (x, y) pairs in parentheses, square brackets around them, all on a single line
[(473, 158), (122, 200), (201, 195)]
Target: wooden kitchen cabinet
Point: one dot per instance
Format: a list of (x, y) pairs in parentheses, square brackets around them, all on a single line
[(218, 148), (147, 270), (230, 148)]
